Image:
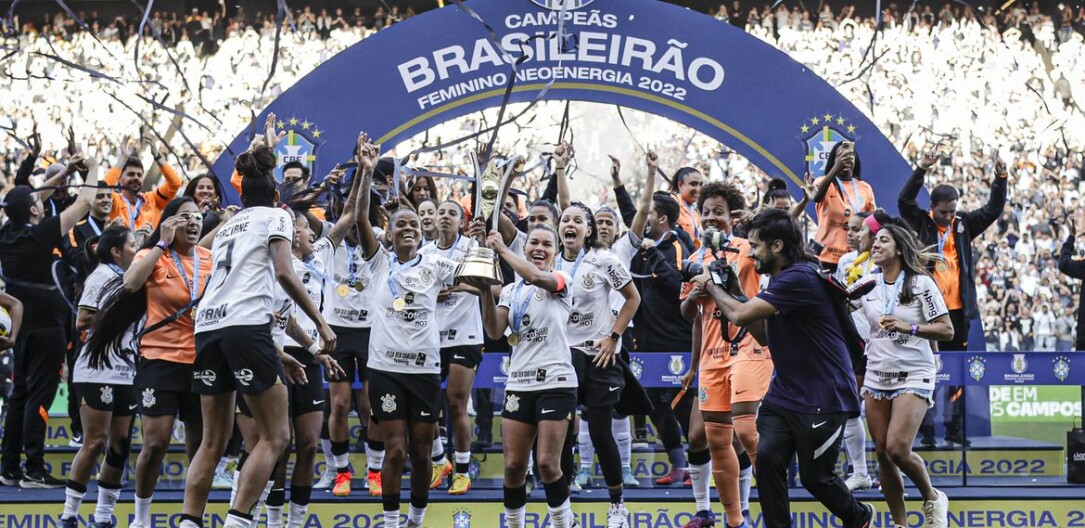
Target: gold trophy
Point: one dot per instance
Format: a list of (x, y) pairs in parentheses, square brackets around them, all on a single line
[(491, 185)]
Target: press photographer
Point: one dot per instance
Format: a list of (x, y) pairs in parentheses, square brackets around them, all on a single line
[(813, 392)]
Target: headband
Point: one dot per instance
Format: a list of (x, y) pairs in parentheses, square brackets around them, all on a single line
[(872, 224)]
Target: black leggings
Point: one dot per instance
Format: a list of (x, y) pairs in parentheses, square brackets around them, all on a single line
[(606, 448), (669, 423)]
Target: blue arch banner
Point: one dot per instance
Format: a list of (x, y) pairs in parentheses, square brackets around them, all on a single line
[(643, 54)]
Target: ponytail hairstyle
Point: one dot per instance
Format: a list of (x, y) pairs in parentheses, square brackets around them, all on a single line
[(913, 258), (591, 241), (680, 176), (777, 189), (257, 184), (112, 237)]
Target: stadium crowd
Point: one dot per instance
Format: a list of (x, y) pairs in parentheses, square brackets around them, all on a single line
[(1009, 180)]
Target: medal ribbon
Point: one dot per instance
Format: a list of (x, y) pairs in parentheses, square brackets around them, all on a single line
[(133, 210), (194, 284), (309, 265), (94, 225), (942, 238), (576, 264), (393, 274), (352, 268), (519, 306), (890, 298), (856, 199), (116, 269)]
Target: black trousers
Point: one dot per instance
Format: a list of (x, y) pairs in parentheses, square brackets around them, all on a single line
[(952, 396), (815, 438), (39, 353)]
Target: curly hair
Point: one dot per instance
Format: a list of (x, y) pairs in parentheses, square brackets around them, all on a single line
[(726, 190)]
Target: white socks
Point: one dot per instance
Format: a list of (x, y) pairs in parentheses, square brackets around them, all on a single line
[(374, 459), (329, 459), (562, 516), (623, 434), (107, 501), (72, 501), (438, 450), (745, 480), (298, 513), (415, 515), (585, 447), (515, 518), (462, 458), (701, 476), (143, 510), (855, 443)]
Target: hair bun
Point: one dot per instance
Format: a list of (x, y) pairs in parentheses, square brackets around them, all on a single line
[(258, 162), (775, 184)]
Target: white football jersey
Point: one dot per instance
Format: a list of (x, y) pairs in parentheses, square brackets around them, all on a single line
[(460, 317), (96, 289), (241, 287), (407, 341), (898, 360), (344, 305), (307, 271), (592, 281), (542, 358)]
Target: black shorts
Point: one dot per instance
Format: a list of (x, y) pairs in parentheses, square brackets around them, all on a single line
[(351, 352), (106, 397), (164, 388), (468, 356), (411, 397), (302, 399), (536, 406), (241, 358), (598, 386)]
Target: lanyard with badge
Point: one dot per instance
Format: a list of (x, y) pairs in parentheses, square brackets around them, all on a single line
[(94, 226), (519, 311), (194, 284), (398, 302), (133, 210)]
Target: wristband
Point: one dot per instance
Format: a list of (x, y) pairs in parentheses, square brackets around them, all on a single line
[(615, 336), (314, 348), (162, 245), (915, 329)]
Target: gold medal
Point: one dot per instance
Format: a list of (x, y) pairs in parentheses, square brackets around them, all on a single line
[(358, 286), (514, 339), (193, 313), (342, 290), (941, 266), (399, 304)]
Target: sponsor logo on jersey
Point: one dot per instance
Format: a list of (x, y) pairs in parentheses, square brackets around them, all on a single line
[(208, 376), (244, 376)]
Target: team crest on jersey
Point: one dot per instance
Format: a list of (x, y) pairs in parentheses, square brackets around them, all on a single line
[(977, 367), (107, 394), (1062, 367), (677, 365), (589, 281), (702, 394), (637, 367), (388, 403), (539, 294), (505, 361), (426, 276), (512, 403), (148, 398), (1019, 363)]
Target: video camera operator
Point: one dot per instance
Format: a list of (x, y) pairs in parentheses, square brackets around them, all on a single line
[(813, 392)]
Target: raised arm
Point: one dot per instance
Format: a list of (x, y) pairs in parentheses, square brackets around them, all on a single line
[(809, 190), (546, 280), (349, 218), (978, 221), (1074, 269), (75, 212), (562, 156), (366, 155), (910, 211), (842, 161), (625, 202), (645, 202)]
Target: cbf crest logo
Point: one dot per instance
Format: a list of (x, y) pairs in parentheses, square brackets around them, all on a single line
[(677, 365), (461, 519), (637, 366), (558, 5), (818, 135), (1019, 363), (1061, 366), (300, 144), (977, 367)]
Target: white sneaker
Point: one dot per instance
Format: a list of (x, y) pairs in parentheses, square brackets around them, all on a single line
[(936, 512), (618, 516), (224, 480), (857, 482), (327, 480)]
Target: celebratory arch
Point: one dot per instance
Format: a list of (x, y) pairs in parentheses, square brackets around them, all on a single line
[(643, 54)]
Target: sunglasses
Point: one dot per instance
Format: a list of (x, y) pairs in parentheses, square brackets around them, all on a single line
[(191, 217)]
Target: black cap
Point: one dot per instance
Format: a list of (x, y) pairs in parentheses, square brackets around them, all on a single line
[(17, 204)]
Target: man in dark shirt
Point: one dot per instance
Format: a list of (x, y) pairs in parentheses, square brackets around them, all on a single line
[(813, 391), (27, 244), (1074, 267)]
